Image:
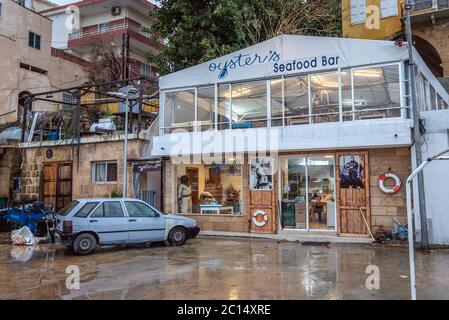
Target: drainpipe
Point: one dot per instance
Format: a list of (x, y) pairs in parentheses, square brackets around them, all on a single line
[(411, 252)]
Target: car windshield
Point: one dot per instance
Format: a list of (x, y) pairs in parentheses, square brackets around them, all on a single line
[(66, 210)]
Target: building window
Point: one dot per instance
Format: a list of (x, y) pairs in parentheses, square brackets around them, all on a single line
[(296, 93), (358, 11), (1, 9), (209, 189), (103, 27), (69, 101), (324, 97), (206, 108), (249, 104), (224, 106), (388, 8), (377, 92), (104, 172), (145, 70), (179, 110), (34, 40)]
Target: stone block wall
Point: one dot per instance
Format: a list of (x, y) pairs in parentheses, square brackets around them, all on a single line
[(10, 160), (35, 159), (385, 207)]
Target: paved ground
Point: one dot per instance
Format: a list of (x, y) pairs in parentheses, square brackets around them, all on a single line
[(219, 268)]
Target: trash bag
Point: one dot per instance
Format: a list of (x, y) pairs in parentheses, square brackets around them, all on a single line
[(23, 237)]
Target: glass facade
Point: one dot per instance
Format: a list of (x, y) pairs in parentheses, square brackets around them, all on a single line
[(359, 93)]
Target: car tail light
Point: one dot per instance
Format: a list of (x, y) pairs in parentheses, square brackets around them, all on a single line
[(67, 227)]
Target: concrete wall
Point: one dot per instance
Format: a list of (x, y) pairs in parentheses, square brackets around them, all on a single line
[(436, 177), (15, 24), (83, 187)]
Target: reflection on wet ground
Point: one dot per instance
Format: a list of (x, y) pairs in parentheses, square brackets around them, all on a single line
[(218, 268)]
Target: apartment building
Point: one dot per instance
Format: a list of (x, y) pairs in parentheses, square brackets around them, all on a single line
[(119, 24), (430, 26)]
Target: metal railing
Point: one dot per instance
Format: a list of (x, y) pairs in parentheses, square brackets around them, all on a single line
[(429, 5), (102, 29)]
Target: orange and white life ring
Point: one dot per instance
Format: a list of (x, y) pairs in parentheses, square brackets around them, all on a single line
[(395, 188), (264, 221)]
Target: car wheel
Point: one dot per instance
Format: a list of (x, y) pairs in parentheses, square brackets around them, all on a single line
[(177, 236), (84, 244)]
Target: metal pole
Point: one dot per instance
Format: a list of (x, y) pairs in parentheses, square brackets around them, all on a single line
[(125, 149), (416, 131)]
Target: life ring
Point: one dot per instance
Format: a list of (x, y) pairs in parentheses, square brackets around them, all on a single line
[(262, 223), (397, 186)]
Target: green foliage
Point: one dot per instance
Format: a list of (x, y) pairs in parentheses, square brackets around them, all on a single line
[(116, 194), (200, 30)]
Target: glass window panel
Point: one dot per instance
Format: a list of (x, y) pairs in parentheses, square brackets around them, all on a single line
[(296, 92), (113, 210), (99, 212), (433, 98), (86, 210), (249, 104), (224, 106), (325, 97), (346, 91), (377, 92), (276, 102), (206, 108), (179, 110), (139, 210)]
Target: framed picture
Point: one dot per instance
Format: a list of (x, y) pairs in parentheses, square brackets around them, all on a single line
[(261, 174), (352, 172)]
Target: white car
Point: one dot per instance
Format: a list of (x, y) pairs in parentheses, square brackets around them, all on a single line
[(86, 223)]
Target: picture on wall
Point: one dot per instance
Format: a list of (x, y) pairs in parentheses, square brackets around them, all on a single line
[(261, 174), (352, 172)]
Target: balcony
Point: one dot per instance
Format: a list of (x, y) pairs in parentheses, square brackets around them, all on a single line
[(113, 30)]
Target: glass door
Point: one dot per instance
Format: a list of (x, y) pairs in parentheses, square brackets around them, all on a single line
[(307, 192), (293, 193), (321, 186)]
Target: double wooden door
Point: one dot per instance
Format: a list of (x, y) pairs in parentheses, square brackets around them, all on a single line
[(354, 216), (57, 181)]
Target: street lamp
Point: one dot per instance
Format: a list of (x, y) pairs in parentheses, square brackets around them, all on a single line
[(128, 93)]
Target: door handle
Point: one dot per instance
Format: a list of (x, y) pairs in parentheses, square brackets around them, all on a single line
[(92, 221), (132, 220)]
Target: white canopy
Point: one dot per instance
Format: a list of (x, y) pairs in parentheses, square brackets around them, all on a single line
[(286, 54)]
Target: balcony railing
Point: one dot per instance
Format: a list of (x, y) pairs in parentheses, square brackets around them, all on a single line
[(429, 5), (102, 29)]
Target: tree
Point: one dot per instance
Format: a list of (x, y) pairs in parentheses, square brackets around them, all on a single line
[(200, 30)]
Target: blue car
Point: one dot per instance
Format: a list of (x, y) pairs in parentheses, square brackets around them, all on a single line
[(86, 223)]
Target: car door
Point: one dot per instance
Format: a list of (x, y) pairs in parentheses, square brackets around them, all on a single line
[(145, 223), (108, 220)]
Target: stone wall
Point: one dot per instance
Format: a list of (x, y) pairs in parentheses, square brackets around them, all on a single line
[(437, 35), (35, 159), (386, 207)]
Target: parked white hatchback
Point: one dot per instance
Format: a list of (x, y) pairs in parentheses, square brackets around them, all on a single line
[(86, 223)]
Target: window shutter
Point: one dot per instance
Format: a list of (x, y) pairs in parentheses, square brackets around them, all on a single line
[(358, 11), (388, 8)]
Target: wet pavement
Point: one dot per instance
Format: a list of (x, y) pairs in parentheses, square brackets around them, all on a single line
[(221, 268)]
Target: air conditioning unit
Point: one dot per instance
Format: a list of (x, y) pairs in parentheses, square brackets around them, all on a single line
[(116, 11)]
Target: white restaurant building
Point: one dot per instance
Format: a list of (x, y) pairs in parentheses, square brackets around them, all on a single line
[(291, 137)]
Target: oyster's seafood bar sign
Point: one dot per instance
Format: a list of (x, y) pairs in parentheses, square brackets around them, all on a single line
[(242, 60)]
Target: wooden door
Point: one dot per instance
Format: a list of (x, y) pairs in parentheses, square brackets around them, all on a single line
[(64, 186), (50, 178), (353, 205), (193, 174), (262, 206), (58, 184)]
